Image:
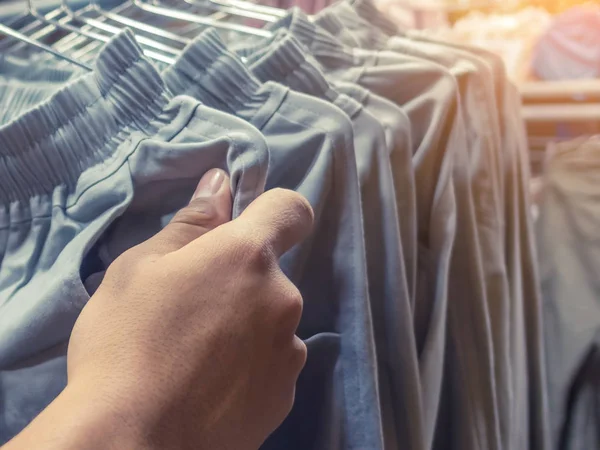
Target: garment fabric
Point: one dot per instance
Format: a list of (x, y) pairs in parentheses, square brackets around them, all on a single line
[(287, 58), (399, 383), (434, 144), (397, 128), (98, 150), (521, 257), (312, 152), (579, 428), (517, 323), (368, 10), (566, 230), (483, 181)]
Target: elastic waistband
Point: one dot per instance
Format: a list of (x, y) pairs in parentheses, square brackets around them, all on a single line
[(367, 10), (346, 15), (215, 75), (286, 62), (81, 124), (328, 20), (318, 40)]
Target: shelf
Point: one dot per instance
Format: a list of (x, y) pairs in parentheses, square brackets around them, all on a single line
[(572, 90), (562, 112)]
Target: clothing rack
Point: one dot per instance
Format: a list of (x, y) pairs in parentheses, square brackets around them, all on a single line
[(555, 111), (422, 308)]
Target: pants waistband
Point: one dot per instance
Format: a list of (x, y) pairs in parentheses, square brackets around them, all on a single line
[(81, 124)]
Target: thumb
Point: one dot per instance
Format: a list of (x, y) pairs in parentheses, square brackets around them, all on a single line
[(209, 207)]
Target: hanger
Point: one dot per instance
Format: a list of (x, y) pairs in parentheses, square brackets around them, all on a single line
[(193, 18), (73, 15), (116, 17), (31, 26), (224, 7), (91, 34), (249, 6), (24, 38), (57, 12), (72, 40)]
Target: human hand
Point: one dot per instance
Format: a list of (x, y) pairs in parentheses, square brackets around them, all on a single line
[(189, 342)]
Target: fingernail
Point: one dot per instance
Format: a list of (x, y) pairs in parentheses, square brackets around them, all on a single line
[(210, 183)]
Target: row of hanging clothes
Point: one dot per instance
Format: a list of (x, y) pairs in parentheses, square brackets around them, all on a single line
[(566, 235), (422, 311)]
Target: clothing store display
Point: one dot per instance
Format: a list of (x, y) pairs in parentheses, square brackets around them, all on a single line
[(422, 307), (567, 236)]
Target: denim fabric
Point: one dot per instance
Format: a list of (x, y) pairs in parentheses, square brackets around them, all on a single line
[(312, 152), (429, 96), (98, 151), (567, 231), (400, 388)]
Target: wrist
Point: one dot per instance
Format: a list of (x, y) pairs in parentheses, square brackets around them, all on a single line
[(80, 419)]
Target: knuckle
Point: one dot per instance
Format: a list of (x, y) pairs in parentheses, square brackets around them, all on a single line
[(290, 305), (293, 303), (257, 253)]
